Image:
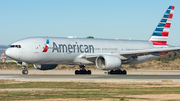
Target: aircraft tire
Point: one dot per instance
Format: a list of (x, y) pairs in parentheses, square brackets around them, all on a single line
[(25, 72), (79, 72), (116, 72), (89, 72), (22, 71), (120, 72), (83, 72), (124, 72), (112, 72), (76, 72)]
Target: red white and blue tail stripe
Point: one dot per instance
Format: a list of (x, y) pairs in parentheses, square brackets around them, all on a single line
[(160, 34)]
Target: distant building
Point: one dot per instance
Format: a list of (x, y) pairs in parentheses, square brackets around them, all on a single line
[(3, 57)]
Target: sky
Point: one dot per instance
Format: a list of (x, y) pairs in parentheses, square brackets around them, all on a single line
[(108, 19)]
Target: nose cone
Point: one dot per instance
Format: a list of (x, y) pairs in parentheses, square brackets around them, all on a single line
[(12, 53), (7, 52)]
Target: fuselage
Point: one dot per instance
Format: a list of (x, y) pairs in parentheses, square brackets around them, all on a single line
[(71, 50)]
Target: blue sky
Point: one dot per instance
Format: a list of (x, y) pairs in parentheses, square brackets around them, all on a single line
[(109, 19)]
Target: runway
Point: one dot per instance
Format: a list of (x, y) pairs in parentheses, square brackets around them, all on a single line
[(97, 76)]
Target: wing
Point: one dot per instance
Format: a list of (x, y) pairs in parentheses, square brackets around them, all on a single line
[(154, 51)]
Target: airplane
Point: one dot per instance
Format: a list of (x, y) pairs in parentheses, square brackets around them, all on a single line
[(107, 54)]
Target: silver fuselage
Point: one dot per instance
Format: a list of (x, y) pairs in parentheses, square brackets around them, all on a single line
[(72, 50)]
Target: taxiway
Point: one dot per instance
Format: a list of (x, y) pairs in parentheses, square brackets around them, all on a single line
[(97, 76)]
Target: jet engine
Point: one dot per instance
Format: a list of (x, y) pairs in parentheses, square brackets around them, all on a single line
[(45, 66), (108, 62)]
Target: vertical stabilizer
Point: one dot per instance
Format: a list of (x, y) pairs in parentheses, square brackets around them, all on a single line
[(160, 34)]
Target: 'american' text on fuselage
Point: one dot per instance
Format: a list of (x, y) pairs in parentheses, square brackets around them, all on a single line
[(75, 48)]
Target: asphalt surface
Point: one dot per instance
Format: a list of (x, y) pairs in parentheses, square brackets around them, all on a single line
[(97, 76)]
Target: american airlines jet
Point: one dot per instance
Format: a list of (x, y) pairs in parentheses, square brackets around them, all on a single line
[(107, 54)]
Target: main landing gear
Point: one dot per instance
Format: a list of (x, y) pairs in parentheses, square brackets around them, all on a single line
[(118, 71), (83, 70)]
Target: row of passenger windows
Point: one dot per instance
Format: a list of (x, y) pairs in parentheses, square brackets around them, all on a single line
[(132, 49), (19, 46), (109, 49), (15, 46)]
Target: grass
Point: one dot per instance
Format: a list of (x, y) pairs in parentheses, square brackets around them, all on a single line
[(90, 91), (30, 95)]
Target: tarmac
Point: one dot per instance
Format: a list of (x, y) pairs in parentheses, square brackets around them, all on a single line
[(96, 76)]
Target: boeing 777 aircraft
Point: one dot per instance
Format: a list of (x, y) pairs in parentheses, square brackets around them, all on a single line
[(107, 54)]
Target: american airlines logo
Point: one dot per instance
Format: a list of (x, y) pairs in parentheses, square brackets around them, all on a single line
[(69, 48), (46, 46)]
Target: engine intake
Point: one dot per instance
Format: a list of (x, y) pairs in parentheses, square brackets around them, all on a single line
[(108, 62)]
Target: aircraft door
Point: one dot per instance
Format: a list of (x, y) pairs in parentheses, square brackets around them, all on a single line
[(36, 48)]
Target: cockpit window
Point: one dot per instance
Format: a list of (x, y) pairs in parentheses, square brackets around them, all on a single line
[(15, 46)]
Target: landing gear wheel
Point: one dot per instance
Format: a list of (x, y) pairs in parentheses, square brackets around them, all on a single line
[(25, 72), (124, 72), (89, 72), (76, 72), (83, 70), (118, 71)]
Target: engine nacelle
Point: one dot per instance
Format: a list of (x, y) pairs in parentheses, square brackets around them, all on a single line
[(108, 62), (45, 66)]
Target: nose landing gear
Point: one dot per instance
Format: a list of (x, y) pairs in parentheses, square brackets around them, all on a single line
[(24, 66), (25, 72)]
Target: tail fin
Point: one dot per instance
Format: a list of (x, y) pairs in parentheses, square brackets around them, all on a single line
[(160, 34)]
